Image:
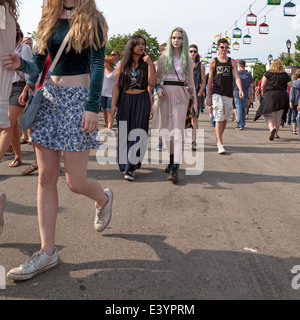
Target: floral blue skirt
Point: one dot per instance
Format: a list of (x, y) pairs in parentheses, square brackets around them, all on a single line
[(58, 122)]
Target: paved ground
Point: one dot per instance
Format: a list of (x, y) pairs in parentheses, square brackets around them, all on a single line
[(230, 233)]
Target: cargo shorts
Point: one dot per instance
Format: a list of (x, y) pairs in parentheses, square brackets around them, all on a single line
[(222, 107)]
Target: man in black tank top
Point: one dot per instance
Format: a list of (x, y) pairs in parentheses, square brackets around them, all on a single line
[(220, 89)]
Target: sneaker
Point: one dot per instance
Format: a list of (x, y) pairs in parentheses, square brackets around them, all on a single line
[(221, 150), (103, 215), (159, 147), (2, 206), (129, 176), (39, 262)]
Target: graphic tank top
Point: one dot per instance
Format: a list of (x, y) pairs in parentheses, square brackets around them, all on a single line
[(223, 78)]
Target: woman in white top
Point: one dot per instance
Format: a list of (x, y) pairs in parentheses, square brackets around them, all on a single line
[(106, 95), (11, 134), (174, 73), (8, 18)]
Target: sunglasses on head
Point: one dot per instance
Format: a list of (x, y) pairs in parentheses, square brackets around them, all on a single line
[(224, 47), (193, 51)]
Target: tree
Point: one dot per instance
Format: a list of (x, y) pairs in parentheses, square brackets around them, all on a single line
[(32, 35), (258, 71), (118, 42)]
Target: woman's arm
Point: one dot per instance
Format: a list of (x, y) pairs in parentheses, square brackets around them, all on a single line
[(191, 84), (116, 91), (203, 81), (151, 70), (263, 86)]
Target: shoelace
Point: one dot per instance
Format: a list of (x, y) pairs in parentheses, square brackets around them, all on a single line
[(32, 259)]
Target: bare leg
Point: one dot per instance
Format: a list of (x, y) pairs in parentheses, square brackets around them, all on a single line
[(7, 134), (49, 169), (77, 180)]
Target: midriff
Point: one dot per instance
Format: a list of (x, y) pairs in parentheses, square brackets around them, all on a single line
[(81, 80), (134, 91)]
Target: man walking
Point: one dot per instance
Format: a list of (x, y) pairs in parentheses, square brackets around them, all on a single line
[(221, 71), (241, 104)]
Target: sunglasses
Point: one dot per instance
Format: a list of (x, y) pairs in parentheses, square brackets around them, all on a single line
[(113, 54), (193, 51), (224, 47)]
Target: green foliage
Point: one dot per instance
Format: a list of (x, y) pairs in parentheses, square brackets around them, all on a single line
[(258, 71), (118, 42), (32, 35)]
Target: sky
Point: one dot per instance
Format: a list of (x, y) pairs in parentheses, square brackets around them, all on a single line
[(202, 20)]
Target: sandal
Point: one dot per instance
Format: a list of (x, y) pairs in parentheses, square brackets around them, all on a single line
[(15, 163), (30, 169), (294, 132), (23, 141)]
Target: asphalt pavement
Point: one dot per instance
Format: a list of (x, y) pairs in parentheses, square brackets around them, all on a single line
[(231, 232)]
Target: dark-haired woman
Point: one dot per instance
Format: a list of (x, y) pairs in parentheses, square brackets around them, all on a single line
[(200, 83), (131, 104)]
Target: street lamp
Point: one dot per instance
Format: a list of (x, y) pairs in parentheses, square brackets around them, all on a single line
[(289, 45), (270, 58)]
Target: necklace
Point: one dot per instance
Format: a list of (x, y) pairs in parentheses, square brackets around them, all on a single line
[(68, 9)]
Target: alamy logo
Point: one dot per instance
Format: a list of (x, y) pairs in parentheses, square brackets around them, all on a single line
[(296, 279), (2, 278), (138, 146)]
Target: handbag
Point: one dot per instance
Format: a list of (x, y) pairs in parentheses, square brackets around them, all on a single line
[(34, 102), (190, 111)]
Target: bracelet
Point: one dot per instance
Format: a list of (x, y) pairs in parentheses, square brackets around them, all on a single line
[(157, 87)]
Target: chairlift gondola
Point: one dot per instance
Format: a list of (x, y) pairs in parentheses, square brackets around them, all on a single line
[(237, 32), (264, 28), (274, 2), (247, 38), (290, 9), (251, 19)]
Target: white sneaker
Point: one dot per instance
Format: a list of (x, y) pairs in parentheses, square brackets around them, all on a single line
[(2, 206), (39, 262), (221, 150), (103, 215)]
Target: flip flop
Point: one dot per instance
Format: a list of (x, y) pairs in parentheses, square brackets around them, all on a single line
[(15, 163), (30, 169)]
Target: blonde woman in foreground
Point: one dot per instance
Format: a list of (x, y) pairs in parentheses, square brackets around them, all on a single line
[(68, 118)]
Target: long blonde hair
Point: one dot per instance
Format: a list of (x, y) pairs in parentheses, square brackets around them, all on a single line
[(277, 66), (84, 25)]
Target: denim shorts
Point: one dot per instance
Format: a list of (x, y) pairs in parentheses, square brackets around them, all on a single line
[(105, 103)]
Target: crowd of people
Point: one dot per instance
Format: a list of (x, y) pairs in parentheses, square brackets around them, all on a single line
[(131, 89)]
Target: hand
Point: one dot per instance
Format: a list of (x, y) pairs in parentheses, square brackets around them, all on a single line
[(208, 101), (89, 122), (23, 96), (241, 94), (147, 58), (11, 61), (114, 111), (161, 93)]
